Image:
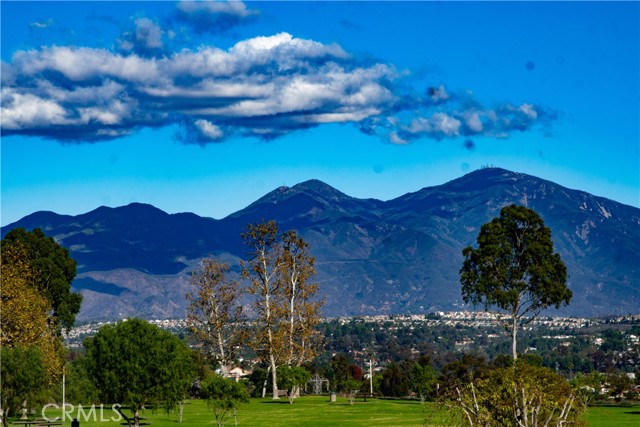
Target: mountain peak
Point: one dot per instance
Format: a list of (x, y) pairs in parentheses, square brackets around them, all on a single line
[(484, 177), (320, 188), (314, 188), (373, 257)]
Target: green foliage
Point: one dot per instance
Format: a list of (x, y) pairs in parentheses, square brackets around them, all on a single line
[(423, 379), (532, 359), (514, 268), (514, 257), (256, 381), (342, 373), (613, 341), (293, 378), (54, 271), (22, 377), (222, 396), (461, 372), (395, 380), (79, 387), (136, 363), (588, 386), (519, 396), (619, 385)]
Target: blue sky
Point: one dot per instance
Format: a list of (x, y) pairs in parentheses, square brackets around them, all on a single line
[(205, 107)]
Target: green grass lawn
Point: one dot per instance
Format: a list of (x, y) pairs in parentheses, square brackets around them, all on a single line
[(614, 416), (319, 412)]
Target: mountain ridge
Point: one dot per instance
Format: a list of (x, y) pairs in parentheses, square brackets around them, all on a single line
[(373, 257)]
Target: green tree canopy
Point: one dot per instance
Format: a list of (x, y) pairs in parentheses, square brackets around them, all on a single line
[(292, 379), (341, 373), (222, 396), (53, 269), (423, 378), (23, 377), (514, 268), (136, 363), (396, 378)]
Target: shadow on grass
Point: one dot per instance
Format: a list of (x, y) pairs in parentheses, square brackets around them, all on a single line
[(348, 404), (614, 405), (401, 401), (633, 413)]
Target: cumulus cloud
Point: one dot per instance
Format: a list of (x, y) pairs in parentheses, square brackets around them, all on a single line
[(208, 130), (470, 119), (213, 16), (144, 40), (438, 126), (264, 87)]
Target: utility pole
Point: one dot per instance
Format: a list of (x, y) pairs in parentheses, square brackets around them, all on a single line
[(63, 397), (371, 375)]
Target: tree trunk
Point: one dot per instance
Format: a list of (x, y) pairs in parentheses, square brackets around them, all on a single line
[(136, 418), (4, 413), (266, 380), (291, 322), (514, 333), (223, 356), (274, 376)]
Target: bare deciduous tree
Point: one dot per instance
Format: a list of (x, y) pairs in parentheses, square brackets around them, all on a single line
[(263, 270), (214, 314)]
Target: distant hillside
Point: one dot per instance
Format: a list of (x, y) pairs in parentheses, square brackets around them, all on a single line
[(398, 256)]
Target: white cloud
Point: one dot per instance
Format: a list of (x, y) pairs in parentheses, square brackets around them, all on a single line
[(395, 139), (264, 86), (213, 16), (292, 82), (473, 122), (209, 130), (83, 64), (26, 110), (236, 8), (438, 125), (147, 37)]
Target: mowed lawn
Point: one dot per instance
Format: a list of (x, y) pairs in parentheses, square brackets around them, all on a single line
[(319, 412), (614, 416)]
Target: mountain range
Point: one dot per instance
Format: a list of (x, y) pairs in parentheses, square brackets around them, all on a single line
[(372, 257)]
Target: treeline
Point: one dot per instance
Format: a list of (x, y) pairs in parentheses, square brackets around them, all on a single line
[(567, 351)]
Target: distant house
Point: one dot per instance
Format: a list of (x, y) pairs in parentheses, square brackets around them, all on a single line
[(237, 373)]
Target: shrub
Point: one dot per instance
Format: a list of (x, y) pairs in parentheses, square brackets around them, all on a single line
[(519, 396)]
